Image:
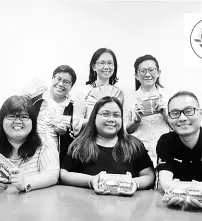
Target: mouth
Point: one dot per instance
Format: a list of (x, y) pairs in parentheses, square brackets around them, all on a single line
[(183, 125), (17, 127), (60, 89)]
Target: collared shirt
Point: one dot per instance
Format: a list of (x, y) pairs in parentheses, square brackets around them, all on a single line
[(174, 156), (151, 127)]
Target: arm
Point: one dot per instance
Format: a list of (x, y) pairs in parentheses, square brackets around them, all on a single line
[(74, 179), (165, 179), (146, 178), (132, 126)]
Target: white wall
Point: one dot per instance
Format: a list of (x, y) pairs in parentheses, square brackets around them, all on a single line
[(39, 35)]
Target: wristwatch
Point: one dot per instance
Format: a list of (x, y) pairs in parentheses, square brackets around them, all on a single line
[(28, 188)]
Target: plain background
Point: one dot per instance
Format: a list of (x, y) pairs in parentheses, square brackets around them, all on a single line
[(37, 36)]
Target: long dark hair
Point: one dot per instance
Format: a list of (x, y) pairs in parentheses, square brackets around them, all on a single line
[(93, 76), (84, 147), (136, 66), (17, 104)]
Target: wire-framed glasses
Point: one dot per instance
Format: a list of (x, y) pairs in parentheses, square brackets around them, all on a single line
[(109, 115), (103, 63), (65, 82), (151, 71)]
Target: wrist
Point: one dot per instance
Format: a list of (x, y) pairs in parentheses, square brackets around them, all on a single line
[(137, 120), (89, 182), (135, 181)]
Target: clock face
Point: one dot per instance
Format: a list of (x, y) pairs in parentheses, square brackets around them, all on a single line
[(196, 39)]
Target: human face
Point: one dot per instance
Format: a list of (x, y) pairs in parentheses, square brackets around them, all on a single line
[(148, 79), (104, 66), (185, 125), (108, 126), (59, 88), (17, 130)]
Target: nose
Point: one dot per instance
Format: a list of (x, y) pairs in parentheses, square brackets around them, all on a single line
[(182, 117), (110, 118), (106, 65), (17, 119)]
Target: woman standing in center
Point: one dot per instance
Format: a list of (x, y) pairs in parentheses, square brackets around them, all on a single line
[(102, 80)]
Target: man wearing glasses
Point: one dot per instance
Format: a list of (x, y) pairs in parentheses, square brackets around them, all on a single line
[(179, 152)]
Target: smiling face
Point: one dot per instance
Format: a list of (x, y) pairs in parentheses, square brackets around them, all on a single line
[(108, 126), (185, 125), (104, 66), (60, 86), (149, 78), (17, 130)]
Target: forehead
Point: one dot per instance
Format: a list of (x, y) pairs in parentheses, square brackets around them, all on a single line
[(106, 56), (64, 75), (111, 107), (147, 64), (182, 102)]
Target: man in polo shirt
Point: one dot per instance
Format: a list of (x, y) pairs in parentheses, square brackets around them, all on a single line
[(179, 152)]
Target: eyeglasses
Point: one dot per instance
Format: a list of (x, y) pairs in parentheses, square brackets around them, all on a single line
[(103, 63), (187, 112), (108, 115), (13, 117), (58, 79), (151, 71)]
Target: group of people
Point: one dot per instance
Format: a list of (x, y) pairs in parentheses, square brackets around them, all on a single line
[(52, 138)]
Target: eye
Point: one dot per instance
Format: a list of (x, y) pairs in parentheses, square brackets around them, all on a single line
[(116, 115), (105, 114), (189, 110), (24, 117), (174, 113)]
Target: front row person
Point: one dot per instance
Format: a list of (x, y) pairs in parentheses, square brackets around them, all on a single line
[(180, 151), (37, 166), (104, 146)]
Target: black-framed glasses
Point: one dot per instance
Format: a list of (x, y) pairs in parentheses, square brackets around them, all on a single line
[(103, 63), (151, 71), (65, 82), (13, 117), (108, 115), (187, 112)]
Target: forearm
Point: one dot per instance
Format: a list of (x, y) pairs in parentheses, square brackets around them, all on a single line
[(132, 127), (145, 181), (74, 179), (43, 179)]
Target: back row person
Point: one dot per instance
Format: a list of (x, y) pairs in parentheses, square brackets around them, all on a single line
[(139, 121)]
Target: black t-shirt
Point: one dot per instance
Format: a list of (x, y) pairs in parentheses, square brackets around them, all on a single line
[(106, 162), (174, 156)]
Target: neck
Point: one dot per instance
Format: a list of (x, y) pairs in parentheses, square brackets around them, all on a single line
[(190, 140), (57, 98), (106, 141), (15, 144), (149, 88), (100, 82)]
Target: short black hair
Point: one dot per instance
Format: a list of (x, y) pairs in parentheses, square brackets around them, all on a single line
[(66, 69), (183, 93)]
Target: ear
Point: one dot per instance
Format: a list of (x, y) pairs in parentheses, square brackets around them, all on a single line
[(159, 73), (136, 76), (93, 67)]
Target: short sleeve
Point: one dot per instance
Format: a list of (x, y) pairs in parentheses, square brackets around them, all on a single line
[(143, 160), (70, 164), (164, 157), (49, 158)]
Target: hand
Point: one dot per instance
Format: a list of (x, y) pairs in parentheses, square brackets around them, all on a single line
[(94, 183), (173, 200), (138, 109), (193, 202), (129, 193), (60, 128), (3, 183), (17, 179), (161, 106)]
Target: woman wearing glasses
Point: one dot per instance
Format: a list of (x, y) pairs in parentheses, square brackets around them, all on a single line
[(103, 145), (102, 80), (31, 164), (146, 117), (55, 110)]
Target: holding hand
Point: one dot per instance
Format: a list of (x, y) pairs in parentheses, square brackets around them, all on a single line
[(93, 183), (138, 109), (60, 128), (17, 179), (3, 183)]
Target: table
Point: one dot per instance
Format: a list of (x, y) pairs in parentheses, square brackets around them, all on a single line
[(80, 204)]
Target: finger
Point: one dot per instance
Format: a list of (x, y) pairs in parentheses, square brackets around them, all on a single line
[(3, 180), (15, 171), (3, 186), (175, 201), (195, 203)]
